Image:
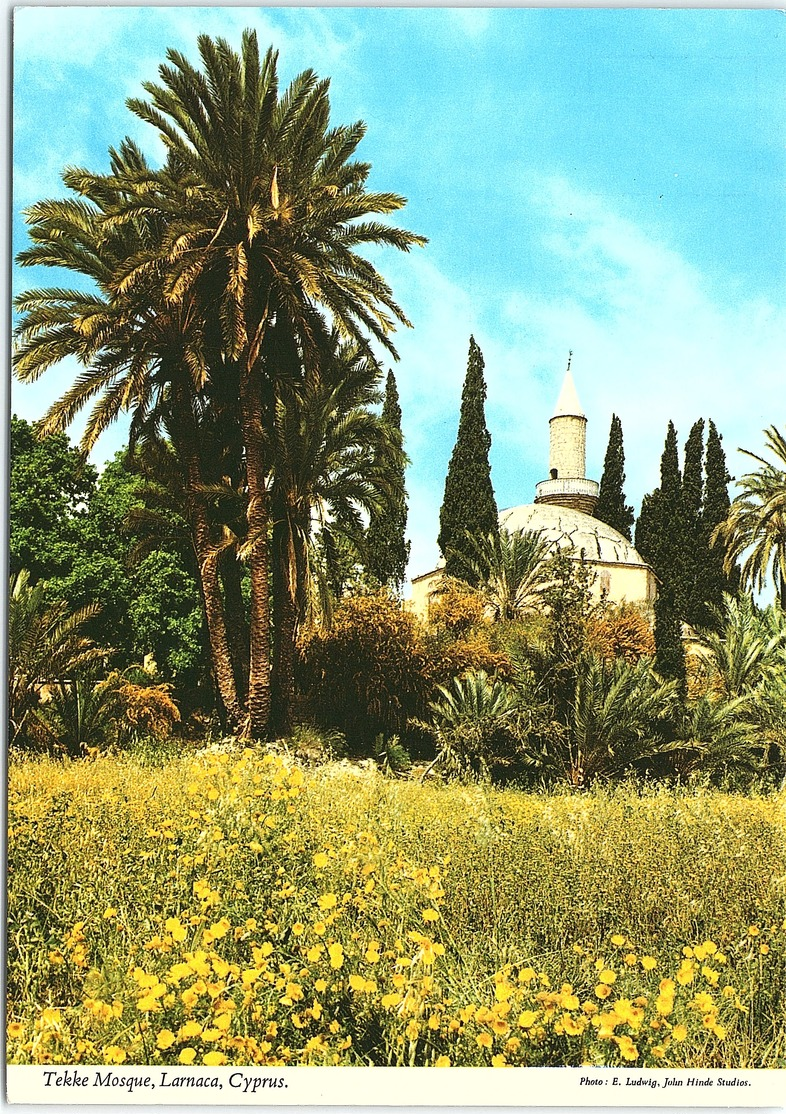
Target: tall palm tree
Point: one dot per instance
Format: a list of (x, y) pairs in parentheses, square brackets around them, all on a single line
[(275, 207), (140, 352), (756, 525), (330, 453)]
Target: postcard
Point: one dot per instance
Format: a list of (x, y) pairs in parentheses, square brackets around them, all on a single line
[(397, 600)]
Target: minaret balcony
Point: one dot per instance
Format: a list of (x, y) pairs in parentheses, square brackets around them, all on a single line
[(576, 492)]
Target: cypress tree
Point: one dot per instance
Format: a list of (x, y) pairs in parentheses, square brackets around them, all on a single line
[(468, 505), (715, 511), (611, 506), (695, 543), (661, 539), (387, 547)]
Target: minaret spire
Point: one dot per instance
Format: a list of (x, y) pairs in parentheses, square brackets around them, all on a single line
[(568, 484)]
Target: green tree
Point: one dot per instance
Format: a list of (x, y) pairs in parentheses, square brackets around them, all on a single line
[(332, 453), (141, 350), (50, 487), (468, 508), (246, 235), (717, 581), (512, 570), (662, 540), (387, 545), (755, 529), (696, 552), (275, 214), (46, 645), (611, 506)]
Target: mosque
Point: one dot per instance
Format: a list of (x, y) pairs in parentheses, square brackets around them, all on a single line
[(562, 511)]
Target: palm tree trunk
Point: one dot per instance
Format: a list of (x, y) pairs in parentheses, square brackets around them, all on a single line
[(236, 624), (220, 655), (185, 440), (258, 519), (285, 622)]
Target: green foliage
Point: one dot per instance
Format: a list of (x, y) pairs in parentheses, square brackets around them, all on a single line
[(387, 548), (364, 675), (46, 646), (468, 506), (611, 506), (469, 720), (50, 488), (756, 524), (511, 570), (716, 578), (663, 540)]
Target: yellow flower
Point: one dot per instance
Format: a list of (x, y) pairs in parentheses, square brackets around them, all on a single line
[(679, 1033), (113, 1054), (15, 1030), (213, 1059), (602, 990), (165, 1039), (618, 940), (175, 929), (187, 1056), (607, 976), (628, 1049), (320, 860), (753, 930), (430, 915), (527, 1019), (336, 953), (648, 962), (110, 912), (327, 901), (499, 1060), (390, 1000), (320, 985), (298, 928), (484, 1040), (190, 1029), (442, 1062), (412, 1032)]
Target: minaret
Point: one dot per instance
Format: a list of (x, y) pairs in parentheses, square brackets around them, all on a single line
[(568, 485)]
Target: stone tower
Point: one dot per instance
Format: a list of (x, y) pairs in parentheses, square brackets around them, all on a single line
[(568, 485)]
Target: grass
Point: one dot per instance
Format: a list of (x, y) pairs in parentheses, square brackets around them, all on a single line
[(232, 907)]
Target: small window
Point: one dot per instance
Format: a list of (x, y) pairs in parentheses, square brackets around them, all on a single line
[(553, 473)]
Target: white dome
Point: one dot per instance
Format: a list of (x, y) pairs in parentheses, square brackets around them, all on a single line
[(568, 528)]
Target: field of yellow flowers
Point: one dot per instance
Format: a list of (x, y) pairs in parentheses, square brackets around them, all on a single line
[(232, 907)]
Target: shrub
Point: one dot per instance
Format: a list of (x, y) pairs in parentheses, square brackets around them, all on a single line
[(622, 631), (365, 674)]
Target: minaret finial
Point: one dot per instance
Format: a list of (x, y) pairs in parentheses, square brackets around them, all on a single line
[(570, 357)]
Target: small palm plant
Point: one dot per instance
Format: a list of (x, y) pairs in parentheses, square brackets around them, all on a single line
[(46, 646), (511, 570), (467, 721)]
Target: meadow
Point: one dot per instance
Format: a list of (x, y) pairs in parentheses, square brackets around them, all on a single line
[(231, 906)]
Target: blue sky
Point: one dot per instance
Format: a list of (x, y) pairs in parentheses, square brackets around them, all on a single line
[(609, 181)]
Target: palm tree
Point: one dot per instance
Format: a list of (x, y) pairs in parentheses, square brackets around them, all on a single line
[(46, 645), (330, 454), (467, 719), (141, 353), (614, 721), (756, 525), (511, 570), (745, 648), (274, 209)]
